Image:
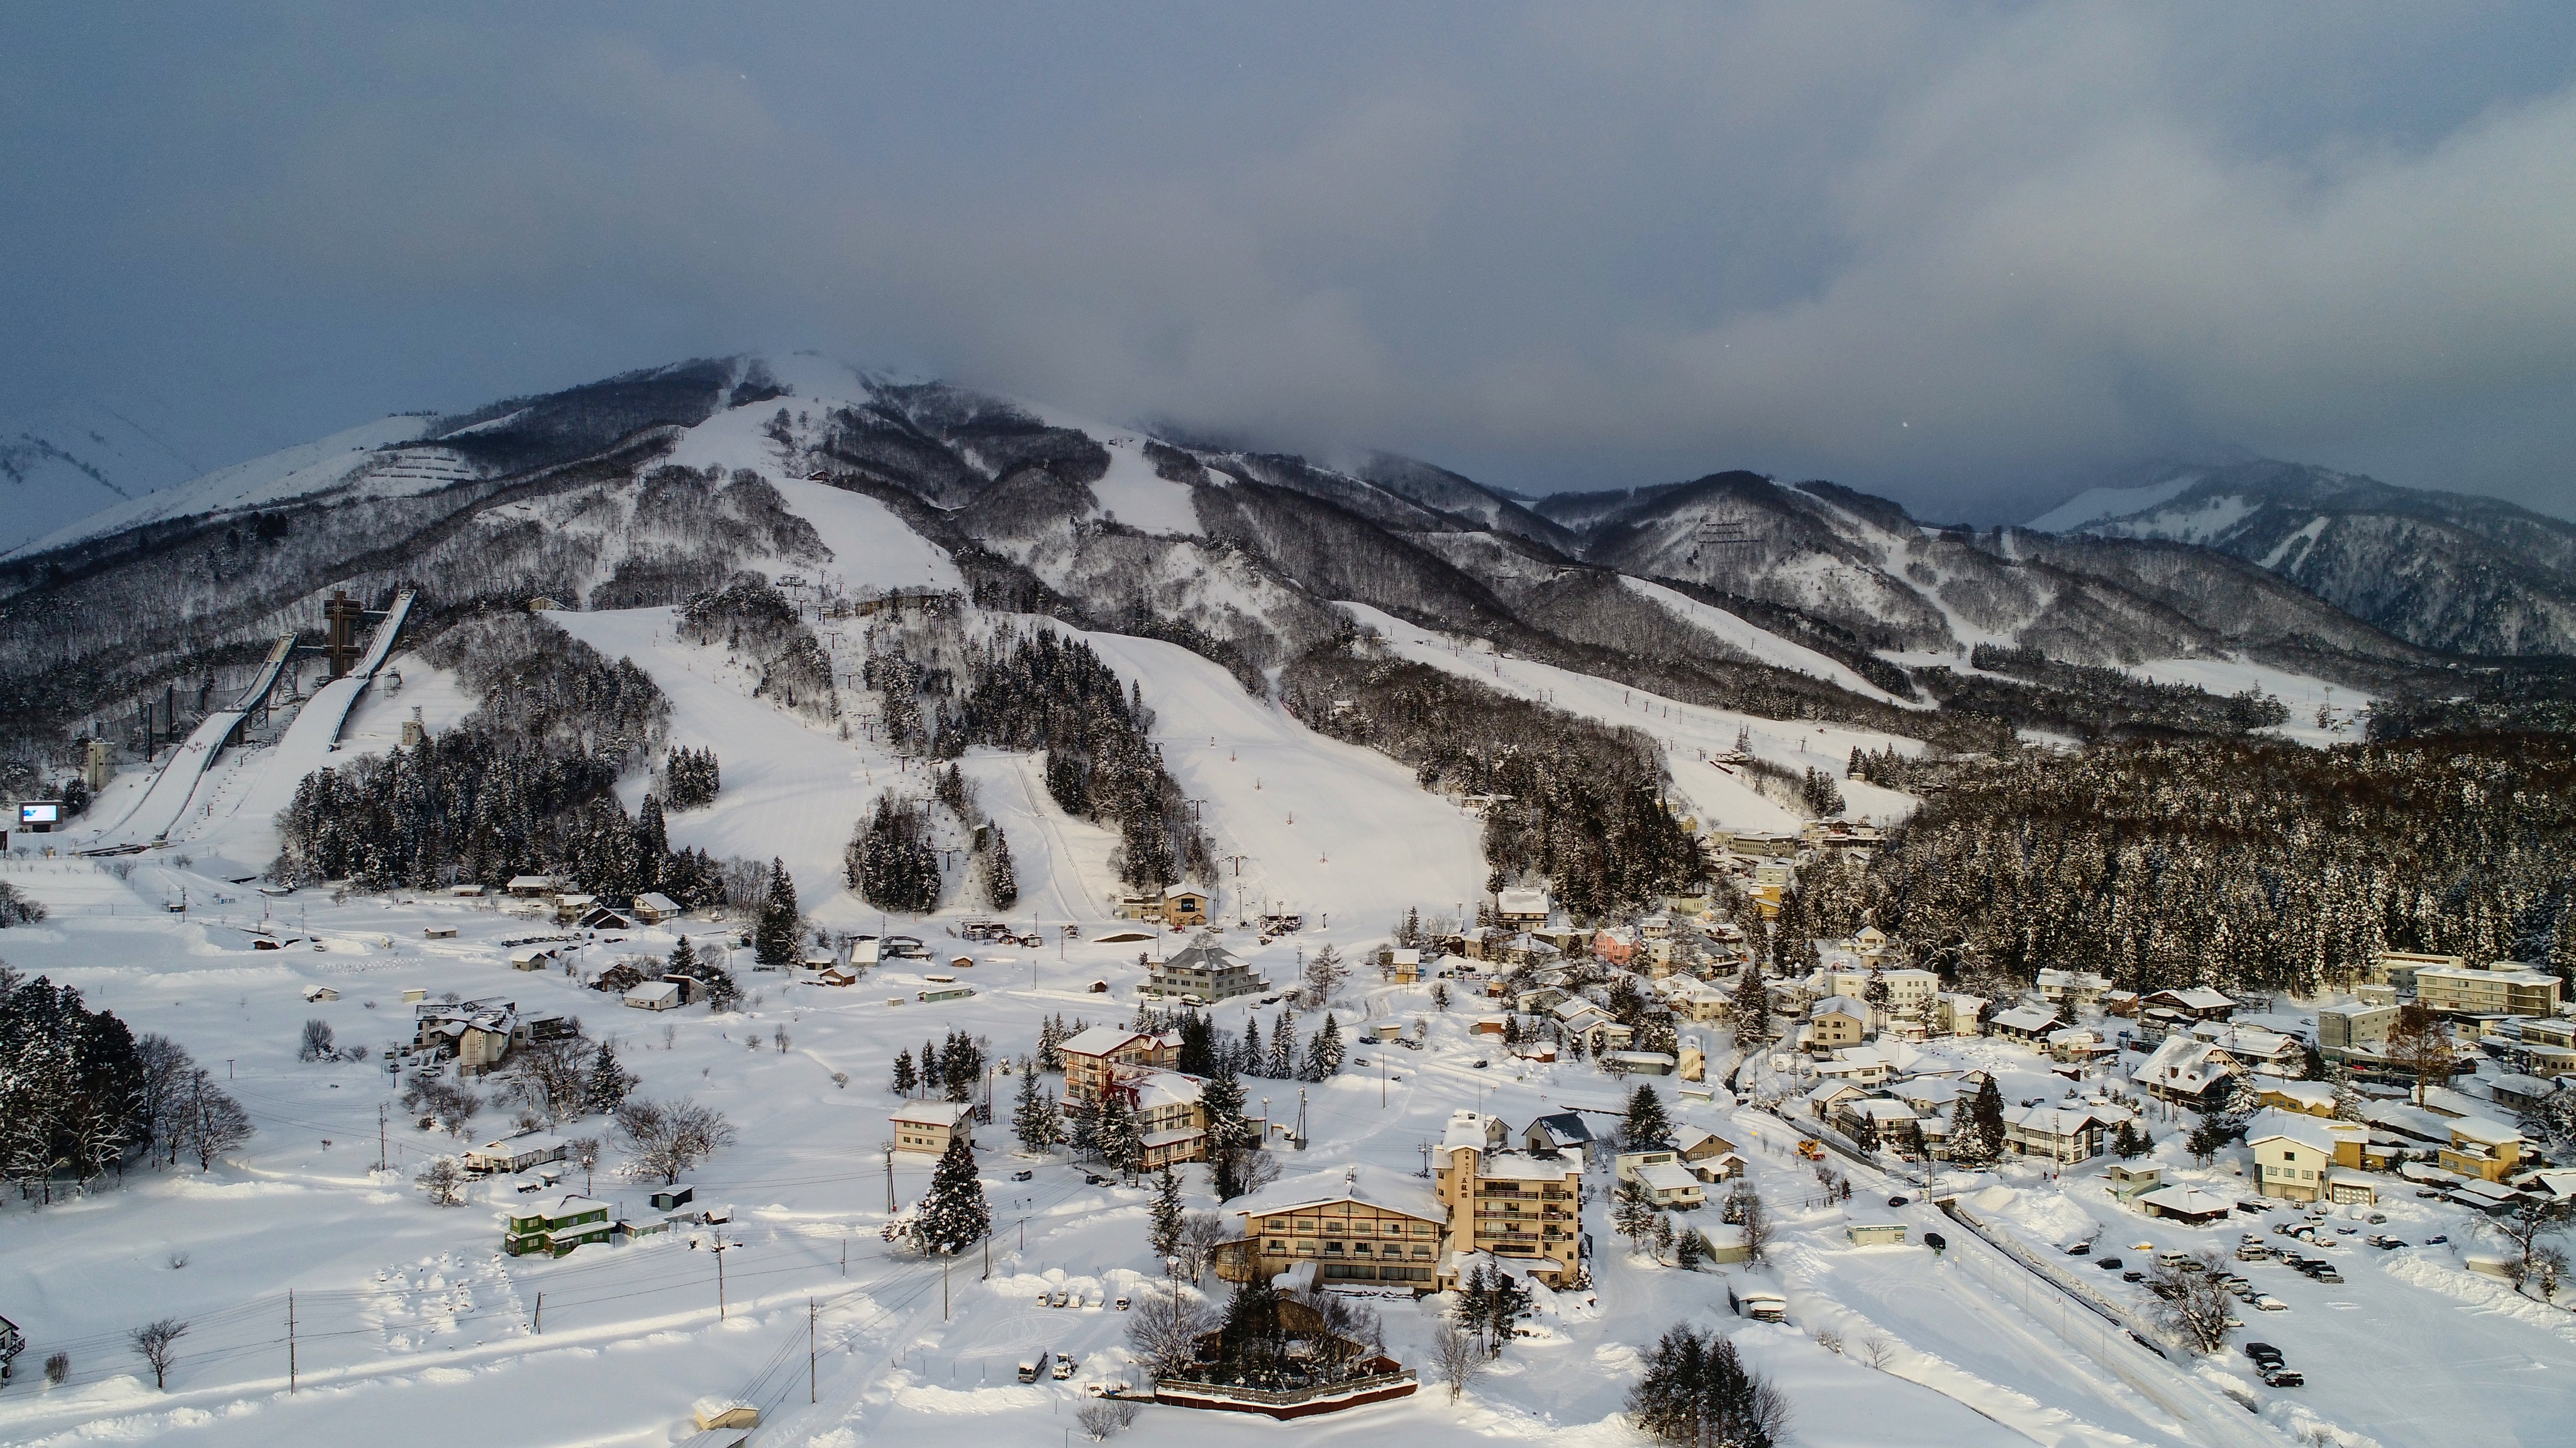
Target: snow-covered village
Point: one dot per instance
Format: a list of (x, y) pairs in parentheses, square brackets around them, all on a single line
[(769, 900)]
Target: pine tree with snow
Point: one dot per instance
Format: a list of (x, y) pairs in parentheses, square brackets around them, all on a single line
[(1252, 1060), (905, 1078), (930, 1079), (1034, 1119), (1632, 1214), (1051, 1038), (1749, 1013), (1646, 1123), (1221, 1101), (606, 1087), (684, 959), (1283, 1046), (954, 1215), (1165, 1216), (776, 936), (1324, 1051), (1001, 876), (1116, 1133), (1977, 1135)]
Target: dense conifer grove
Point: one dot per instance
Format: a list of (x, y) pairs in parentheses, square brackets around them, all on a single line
[(691, 778), (890, 861), (81, 1097), (1042, 691), (1584, 805), (524, 784), (2230, 863)]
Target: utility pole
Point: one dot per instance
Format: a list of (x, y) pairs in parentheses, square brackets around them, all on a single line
[(811, 1394), (380, 1136), (721, 1244), (539, 1328), (988, 1257), (944, 1259), (290, 1343), (888, 1149)]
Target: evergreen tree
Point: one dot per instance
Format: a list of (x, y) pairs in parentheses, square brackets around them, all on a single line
[(1507, 1302), (1051, 1038), (1164, 1232), (775, 937), (890, 861), (2129, 1143), (1475, 1307), (1116, 1130), (1698, 1392), (930, 1063), (1646, 1123), (954, 1215), (606, 1087), (1283, 1046), (904, 1076), (1978, 1139), (1324, 1052), (1221, 1101), (1034, 1119), (1750, 1011), (1001, 876), (1690, 1249), (1252, 1060), (684, 958), (1632, 1214)]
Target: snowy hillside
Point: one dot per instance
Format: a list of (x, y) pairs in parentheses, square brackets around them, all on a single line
[(76, 460)]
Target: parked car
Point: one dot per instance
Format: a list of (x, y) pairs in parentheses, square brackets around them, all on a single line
[(1063, 1366), (2080, 1249), (1896, 1201), (1021, 1176), (2285, 1378), (2265, 1354), (1029, 1368), (2133, 1276), (2109, 1264), (2270, 1304)]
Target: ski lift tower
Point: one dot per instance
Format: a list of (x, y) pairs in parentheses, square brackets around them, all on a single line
[(1726, 543)]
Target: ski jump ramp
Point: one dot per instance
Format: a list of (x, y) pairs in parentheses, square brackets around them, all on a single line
[(315, 731)]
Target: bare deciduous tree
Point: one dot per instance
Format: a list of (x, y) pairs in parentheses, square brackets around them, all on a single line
[(1457, 1357), (2192, 1305), (665, 1139), (318, 1043), (444, 1183), (157, 1343), (1165, 1331)]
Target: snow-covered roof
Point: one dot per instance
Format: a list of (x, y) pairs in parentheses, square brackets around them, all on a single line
[(1164, 1088), (2272, 1123), (654, 990), (2185, 1200), (2029, 1019), (1521, 902), (657, 902), (1371, 1185), (2307, 1093), (1688, 1139), (1930, 1091), (2186, 1063), (2196, 998), (2482, 1131), (1567, 1128), (1665, 1176), (1880, 1108), (1838, 1005), (2050, 1120), (933, 1113), (1101, 1040), (1528, 1166)]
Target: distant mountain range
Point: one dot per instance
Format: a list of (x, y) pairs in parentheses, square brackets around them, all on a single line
[(1732, 590), (2447, 571)]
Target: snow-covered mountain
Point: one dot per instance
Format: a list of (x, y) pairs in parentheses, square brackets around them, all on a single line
[(1864, 565), (2447, 571), (1731, 592), (76, 461)]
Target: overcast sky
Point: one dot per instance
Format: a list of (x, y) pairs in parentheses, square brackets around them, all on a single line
[(1966, 256)]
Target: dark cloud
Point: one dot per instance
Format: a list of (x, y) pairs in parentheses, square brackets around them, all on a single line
[(1963, 256)]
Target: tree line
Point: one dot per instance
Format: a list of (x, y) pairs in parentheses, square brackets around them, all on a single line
[(80, 1096), (1577, 803), (2226, 862)]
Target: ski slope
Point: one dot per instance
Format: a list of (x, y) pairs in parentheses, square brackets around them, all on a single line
[(1327, 826), (165, 799), (1689, 733), (1761, 643)]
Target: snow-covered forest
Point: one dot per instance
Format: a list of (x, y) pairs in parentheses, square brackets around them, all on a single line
[(2235, 864)]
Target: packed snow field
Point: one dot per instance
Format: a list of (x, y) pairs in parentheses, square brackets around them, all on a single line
[(409, 1313)]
